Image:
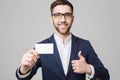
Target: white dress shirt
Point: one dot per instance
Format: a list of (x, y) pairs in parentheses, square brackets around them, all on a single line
[(64, 48)]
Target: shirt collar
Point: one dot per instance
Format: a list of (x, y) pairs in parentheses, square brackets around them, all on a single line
[(60, 40)]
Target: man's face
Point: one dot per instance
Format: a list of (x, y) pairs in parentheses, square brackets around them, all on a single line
[(62, 19)]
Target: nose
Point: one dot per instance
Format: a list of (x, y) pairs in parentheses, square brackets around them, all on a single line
[(63, 19)]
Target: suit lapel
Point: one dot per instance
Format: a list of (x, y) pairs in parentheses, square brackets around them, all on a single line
[(74, 52), (56, 55)]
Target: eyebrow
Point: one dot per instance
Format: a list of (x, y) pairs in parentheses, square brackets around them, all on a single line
[(62, 13)]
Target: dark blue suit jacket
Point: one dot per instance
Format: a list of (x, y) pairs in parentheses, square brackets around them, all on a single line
[(52, 67)]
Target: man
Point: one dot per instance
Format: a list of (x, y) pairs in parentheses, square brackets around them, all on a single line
[(73, 58)]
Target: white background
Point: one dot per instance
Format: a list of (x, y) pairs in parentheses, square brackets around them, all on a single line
[(25, 22)]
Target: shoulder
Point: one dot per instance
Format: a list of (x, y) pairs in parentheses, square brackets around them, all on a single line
[(83, 43), (47, 40), (80, 40)]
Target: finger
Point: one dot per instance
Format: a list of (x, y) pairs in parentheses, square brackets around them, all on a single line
[(26, 62), (29, 62), (74, 61), (79, 54), (75, 65), (35, 53), (29, 57), (75, 71), (32, 59), (81, 57), (73, 68)]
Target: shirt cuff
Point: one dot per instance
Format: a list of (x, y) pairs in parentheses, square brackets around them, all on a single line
[(22, 76), (93, 73)]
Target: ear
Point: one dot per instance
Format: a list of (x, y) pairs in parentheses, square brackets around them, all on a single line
[(51, 19), (73, 18)]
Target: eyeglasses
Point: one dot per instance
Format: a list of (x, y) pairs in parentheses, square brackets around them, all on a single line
[(59, 15)]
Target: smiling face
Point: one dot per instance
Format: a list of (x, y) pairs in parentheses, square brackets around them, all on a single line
[(62, 19)]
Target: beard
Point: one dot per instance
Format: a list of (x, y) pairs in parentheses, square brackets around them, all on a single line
[(61, 30)]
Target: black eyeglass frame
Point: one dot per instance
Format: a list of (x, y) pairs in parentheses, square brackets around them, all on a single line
[(59, 15)]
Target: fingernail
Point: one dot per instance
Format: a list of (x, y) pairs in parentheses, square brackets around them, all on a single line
[(80, 51)]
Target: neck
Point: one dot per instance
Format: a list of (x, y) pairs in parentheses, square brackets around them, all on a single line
[(63, 36)]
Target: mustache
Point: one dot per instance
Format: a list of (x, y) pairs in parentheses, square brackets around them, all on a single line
[(63, 23)]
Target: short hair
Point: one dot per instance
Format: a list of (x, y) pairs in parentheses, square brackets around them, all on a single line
[(61, 2)]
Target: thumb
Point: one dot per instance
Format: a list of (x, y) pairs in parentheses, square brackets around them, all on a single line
[(80, 55)]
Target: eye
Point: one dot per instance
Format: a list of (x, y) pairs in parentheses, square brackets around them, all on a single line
[(68, 14), (57, 15)]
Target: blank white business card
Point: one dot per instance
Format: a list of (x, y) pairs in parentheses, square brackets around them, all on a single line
[(44, 48)]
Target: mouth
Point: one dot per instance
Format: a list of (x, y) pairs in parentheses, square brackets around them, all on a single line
[(63, 27), (63, 24)]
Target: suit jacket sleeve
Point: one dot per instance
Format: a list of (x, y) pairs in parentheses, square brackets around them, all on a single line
[(100, 71), (32, 72)]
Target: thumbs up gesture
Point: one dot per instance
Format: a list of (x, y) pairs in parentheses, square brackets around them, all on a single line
[(80, 66)]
